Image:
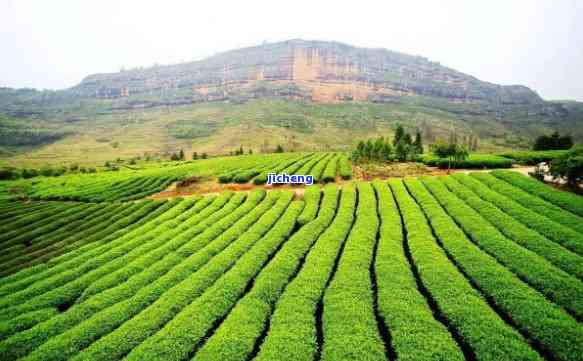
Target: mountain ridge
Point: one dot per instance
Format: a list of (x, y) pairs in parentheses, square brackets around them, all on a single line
[(362, 74)]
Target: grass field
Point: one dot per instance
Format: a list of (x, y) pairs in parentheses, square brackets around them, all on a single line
[(96, 136), (486, 266)]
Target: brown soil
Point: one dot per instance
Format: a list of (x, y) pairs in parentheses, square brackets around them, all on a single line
[(194, 186), (214, 188)]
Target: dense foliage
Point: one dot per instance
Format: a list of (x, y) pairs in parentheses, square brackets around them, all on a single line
[(553, 142), (569, 166), (402, 148), (19, 132)]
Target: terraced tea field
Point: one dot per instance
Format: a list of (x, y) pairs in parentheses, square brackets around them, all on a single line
[(128, 185), (486, 266)]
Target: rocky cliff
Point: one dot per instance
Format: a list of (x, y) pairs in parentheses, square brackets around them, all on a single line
[(315, 70)]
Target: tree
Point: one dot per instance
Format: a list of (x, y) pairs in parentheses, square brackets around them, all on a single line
[(181, 155), (368, 149), (250, 151), (402, 150), (440, 149), (565, 142), (195, 156), (8, 173), (569, 166), (459, 152), (279, 149), (399, 133), (453, 137), (552, 142), (453, 152), (387, 151), (46, 171), (30, 173), (377, 148), (204, 156), (474, 145), (358, 153), (418, 143)]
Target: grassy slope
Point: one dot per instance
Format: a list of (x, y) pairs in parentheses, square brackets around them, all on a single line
[(217, 128)]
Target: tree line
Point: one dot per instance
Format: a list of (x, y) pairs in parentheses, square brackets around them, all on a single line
[(402, 148)]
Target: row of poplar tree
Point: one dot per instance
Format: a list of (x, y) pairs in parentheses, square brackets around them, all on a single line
[(402, 148)]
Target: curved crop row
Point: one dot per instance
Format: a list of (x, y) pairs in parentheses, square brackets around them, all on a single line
[(178, 233), (50, 223), (56, 227), (9, 231), (319, 168), (475, 161), (124, 189), (532, 202), (67, 286), (262, 178), (415, 333), (12, 211), (565, 200), (532, 157), (250, 247), (130, 297), (182, 334), (546, 325), (308, 166), (98, 241), (557, 285), (462, 307), (522, 233), (349, 325), (161, 300), (247, 168), (250, 316), (344, 167), (42, 244), (329, 174), (312, 203), (59, 243)]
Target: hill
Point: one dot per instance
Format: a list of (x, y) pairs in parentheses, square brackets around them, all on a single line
[(307, 94)]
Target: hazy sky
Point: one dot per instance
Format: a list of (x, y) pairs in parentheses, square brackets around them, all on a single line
[(54, 44)]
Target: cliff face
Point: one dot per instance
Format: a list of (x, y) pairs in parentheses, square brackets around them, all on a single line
[(315, 70)]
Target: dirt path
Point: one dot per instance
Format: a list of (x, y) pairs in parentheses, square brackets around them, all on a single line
[(214, 188)]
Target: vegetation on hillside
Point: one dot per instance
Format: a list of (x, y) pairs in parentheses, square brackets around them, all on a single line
[(553, 142)]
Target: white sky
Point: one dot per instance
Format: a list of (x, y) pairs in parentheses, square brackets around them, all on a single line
[(55, 43)]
